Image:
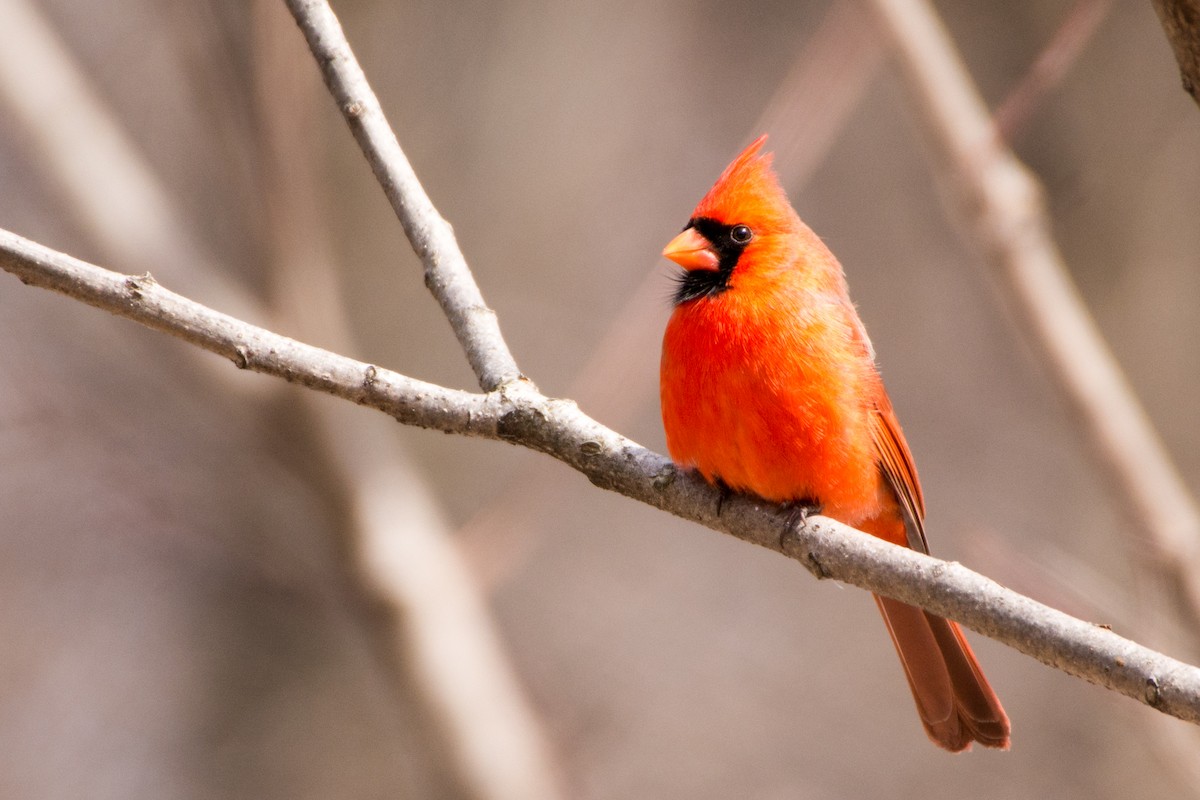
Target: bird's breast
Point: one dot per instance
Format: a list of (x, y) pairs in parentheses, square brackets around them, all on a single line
[(773, 398)]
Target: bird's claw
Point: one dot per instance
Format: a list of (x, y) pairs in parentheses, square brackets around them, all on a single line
[(797, 513)]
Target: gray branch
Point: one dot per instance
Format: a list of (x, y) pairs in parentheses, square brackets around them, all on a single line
[(518, 413), (446, 271)]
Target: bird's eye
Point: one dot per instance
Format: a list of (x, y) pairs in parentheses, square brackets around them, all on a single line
[(741, 234)]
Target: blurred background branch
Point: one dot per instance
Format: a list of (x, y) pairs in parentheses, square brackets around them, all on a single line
[(1050, 67)]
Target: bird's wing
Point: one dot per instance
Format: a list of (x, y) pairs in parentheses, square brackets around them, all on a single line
[(896, 464)]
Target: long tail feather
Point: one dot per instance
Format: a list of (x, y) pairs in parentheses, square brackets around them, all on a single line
[(954, 700)]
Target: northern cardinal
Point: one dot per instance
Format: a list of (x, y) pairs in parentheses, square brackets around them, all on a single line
[(769, 385)]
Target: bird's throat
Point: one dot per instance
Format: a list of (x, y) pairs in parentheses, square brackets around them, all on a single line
[(697, 284)]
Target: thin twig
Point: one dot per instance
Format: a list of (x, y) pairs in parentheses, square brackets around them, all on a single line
[(1050, 66), (446, 271), (519, 414), (1003, 201)]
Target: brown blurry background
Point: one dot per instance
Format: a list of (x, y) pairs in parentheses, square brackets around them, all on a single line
[(180, 611)]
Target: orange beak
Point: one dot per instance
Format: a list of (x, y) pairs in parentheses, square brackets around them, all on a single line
[(691, 250)]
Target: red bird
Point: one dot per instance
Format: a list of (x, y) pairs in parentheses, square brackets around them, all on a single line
[(769, 386)]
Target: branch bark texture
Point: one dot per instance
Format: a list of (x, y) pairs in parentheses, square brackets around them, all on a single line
[(519, 414)]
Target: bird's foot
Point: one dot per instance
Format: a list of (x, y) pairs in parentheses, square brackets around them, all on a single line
[(797, 513)]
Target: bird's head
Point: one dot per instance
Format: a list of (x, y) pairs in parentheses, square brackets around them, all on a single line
[(742, 222)]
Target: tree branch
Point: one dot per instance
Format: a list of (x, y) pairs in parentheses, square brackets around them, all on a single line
[(1181, 21), (519, 414), (446, 271)]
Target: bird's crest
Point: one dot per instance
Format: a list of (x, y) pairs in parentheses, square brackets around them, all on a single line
[(748, 191)]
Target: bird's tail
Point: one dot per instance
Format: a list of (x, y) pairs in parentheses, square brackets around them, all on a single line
[(955, 701)]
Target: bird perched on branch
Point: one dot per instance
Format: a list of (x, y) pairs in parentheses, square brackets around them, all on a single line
[(769, 386)]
